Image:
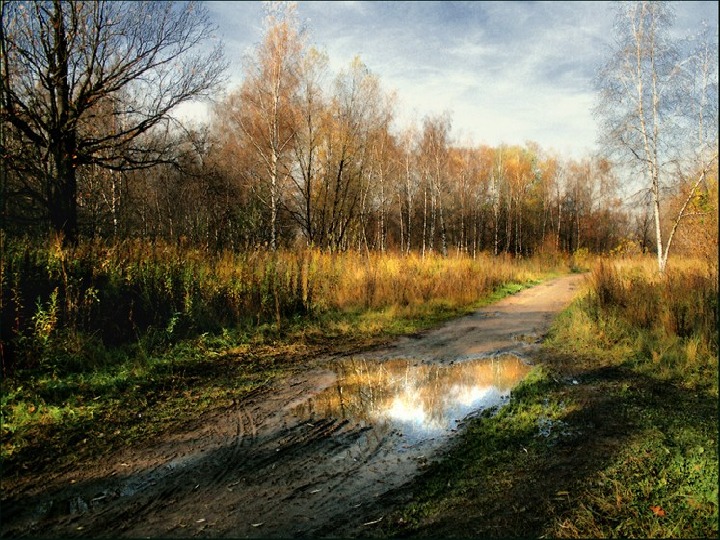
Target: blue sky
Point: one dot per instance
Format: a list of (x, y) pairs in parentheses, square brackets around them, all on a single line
[(508, 72)]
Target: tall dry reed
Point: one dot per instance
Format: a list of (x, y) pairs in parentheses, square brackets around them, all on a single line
[(672, 317), (114, 294)]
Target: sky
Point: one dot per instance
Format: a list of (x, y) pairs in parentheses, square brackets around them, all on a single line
[(507, 72)]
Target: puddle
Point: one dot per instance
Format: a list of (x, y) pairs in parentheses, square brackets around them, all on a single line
[(419, 401)]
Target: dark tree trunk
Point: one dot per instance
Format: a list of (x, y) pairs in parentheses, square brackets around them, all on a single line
[(62, 203), (63, 200)]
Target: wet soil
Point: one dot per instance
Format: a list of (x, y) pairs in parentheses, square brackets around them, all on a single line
[(313, 456)]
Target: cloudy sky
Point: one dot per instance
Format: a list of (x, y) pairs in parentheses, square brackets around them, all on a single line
[(508, 72)]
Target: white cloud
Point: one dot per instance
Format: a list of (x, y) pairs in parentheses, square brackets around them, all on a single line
[(509, 71)]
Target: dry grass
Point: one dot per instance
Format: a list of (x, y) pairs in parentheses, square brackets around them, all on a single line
[(669, 319), (134, 290)]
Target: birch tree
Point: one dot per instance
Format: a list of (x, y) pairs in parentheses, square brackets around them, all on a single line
[(307, 138), (433, 159), (658, 109), (354, 116), (264, 112)]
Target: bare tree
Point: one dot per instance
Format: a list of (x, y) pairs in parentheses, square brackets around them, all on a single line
[(409, 187), (355, 115), (434, 164), (651, 91), (307, 138), (65, 64), (265, 110)]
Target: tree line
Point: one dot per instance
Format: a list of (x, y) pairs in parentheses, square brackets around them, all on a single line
[(295, 155)]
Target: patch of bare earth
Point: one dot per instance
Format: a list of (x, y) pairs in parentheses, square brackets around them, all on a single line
[(278, 464)]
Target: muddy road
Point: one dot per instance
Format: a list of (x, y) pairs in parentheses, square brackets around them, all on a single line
[(311, 457)]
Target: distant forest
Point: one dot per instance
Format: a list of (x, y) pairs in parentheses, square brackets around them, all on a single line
[(295, 156)]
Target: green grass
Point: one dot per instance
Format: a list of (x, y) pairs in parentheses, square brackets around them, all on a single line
[(44, 416), (615, 433)]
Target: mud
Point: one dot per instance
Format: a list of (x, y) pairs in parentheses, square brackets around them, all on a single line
[(311, 457)]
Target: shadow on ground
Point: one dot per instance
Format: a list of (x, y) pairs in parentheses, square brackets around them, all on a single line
[(520, 472)]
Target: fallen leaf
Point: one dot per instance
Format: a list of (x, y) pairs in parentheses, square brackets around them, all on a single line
[(657, 510), (201, 520)]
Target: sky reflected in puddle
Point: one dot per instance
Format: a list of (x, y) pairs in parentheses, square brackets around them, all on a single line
[(421, 401)]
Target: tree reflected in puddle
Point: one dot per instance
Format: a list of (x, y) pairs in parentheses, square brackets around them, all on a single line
[(421, 401)]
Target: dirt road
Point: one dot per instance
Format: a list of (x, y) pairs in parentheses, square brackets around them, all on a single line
[(313, 456)]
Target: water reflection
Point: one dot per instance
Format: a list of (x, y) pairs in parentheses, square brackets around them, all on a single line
[(420, 400)]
